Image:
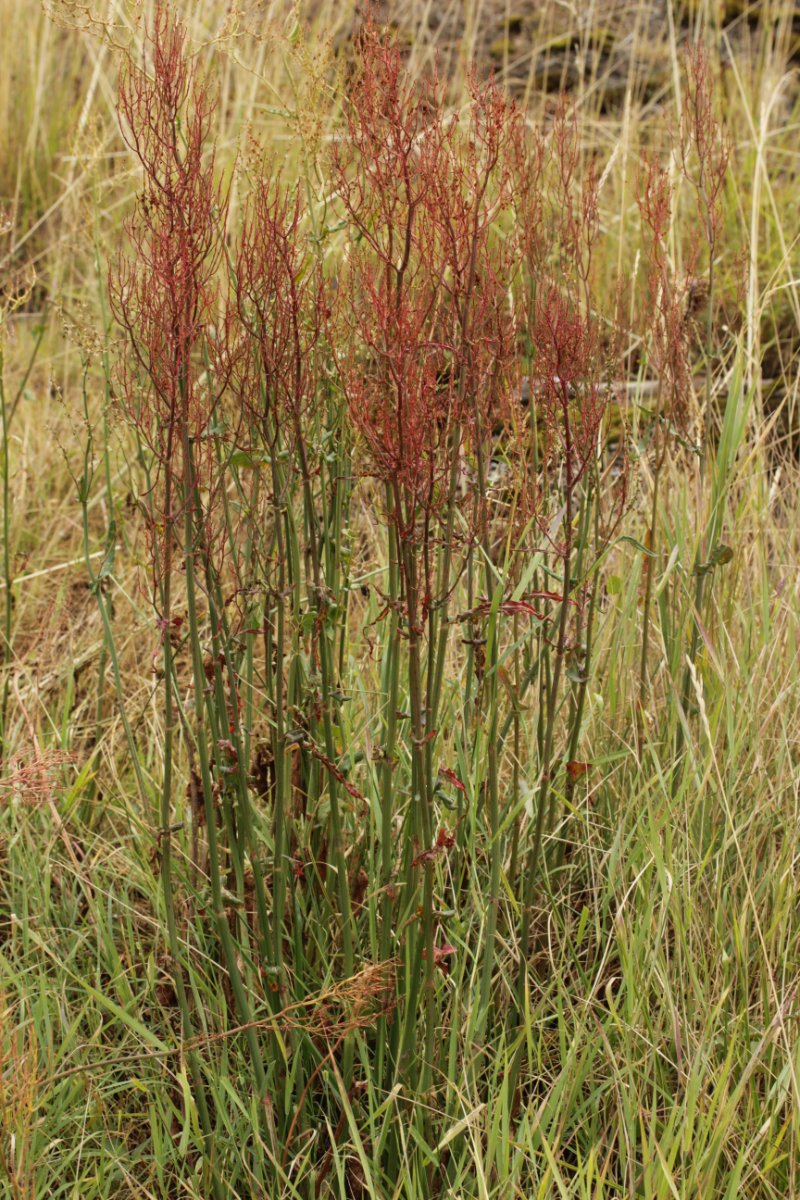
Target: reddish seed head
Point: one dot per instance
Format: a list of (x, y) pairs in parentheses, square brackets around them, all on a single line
[(280, 306), (567, 358), (424, 303), (165, 284)]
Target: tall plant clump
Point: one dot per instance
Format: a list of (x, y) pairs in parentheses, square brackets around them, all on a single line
[(237, 371), (437, 401)]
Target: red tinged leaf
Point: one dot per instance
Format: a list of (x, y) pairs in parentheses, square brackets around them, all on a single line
[(425, 856), (521, 606), (440, 956), (575, 770), (445, 840), (451, 777), (337, 774), (423, 741)]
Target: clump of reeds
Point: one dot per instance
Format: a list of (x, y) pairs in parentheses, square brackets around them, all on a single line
[(276, 403)]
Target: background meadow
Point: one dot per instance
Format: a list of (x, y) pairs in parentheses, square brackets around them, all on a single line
[(399, 715)]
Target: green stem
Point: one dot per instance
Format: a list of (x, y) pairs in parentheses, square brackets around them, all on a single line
[(220, 915), (532, 866)]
